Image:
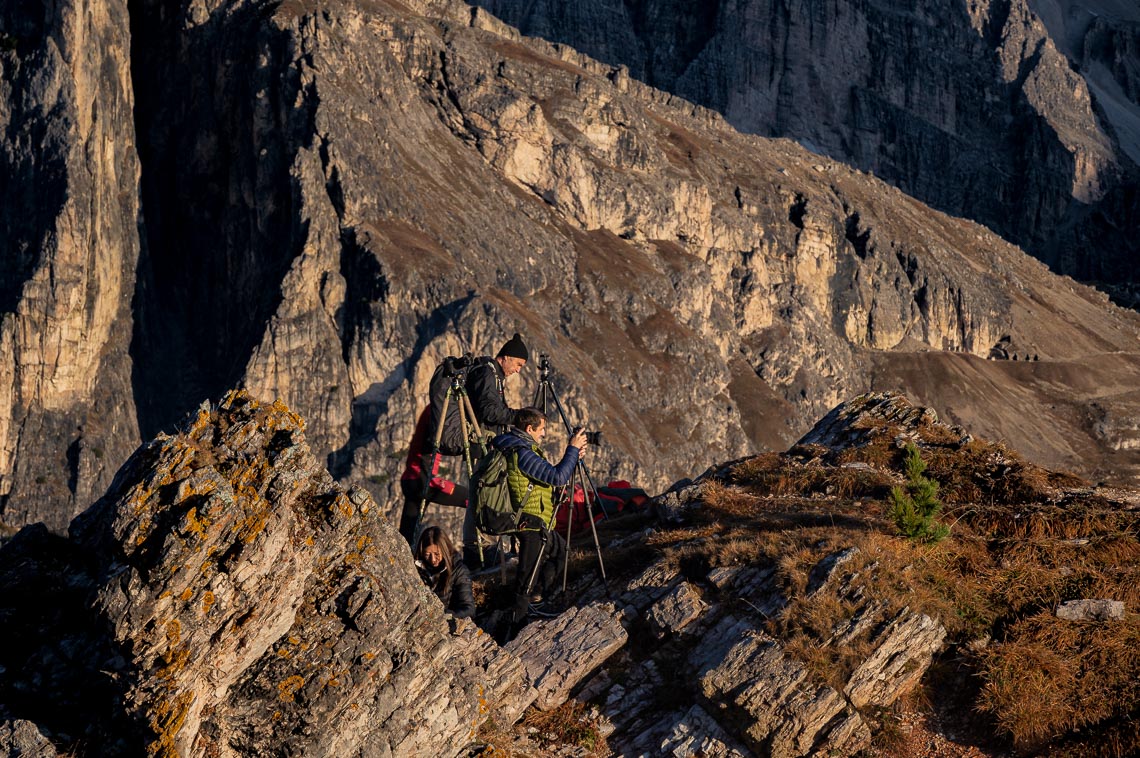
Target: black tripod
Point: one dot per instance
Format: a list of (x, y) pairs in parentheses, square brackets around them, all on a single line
[(457, 389), (543, 396)]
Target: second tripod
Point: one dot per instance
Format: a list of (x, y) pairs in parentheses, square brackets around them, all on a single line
[(545, 396)]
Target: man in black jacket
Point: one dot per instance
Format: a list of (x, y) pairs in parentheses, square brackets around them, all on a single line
[(485, 390), (485, 385)]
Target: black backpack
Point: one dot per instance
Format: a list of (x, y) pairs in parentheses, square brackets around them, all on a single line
[(451, 440), (495, 511)]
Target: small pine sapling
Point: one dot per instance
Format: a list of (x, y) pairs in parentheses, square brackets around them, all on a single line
[(915, 509)]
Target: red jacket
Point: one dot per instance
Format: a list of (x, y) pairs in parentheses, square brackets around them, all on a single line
[(414, 466)]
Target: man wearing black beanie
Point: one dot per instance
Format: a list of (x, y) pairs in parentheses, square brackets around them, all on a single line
[(485, 390)]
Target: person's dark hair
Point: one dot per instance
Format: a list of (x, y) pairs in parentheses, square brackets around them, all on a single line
[(529, 416), (433, 535)]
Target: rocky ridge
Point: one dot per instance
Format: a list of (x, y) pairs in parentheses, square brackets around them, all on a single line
[(377, 185), (228, 598), (1019, 114)]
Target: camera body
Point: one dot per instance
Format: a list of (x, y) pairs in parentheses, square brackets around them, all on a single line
[(592, 438), (454, 367)]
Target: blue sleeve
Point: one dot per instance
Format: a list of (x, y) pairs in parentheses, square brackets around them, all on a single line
[(536, 468)]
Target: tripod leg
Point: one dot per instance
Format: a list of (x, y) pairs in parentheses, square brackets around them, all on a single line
[(434, 462), (590, 514), (465, 406), (569, 506), (540, 397), (469, 514)]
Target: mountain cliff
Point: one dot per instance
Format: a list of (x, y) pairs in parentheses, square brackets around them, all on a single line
[(335, 196), (1021, 115)]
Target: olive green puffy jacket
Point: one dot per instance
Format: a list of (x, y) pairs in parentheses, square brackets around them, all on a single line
[(539, 497)]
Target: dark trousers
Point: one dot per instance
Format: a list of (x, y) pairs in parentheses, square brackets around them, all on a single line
[(541, 555), (413, 490)]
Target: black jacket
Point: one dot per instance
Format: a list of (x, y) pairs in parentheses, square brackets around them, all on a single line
[(456, 595), (485, 391)]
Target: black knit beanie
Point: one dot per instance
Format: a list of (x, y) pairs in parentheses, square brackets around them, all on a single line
[(514, 348)]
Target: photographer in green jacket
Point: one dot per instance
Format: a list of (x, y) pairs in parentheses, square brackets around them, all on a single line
[(532, 483)]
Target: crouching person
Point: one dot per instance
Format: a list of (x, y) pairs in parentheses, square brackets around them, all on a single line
[(442, 569), (532, 483)]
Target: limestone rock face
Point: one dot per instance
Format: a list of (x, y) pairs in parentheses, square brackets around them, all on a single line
[(975, 108), (343, 193), (68, 251), (451, 182), (228, 598)]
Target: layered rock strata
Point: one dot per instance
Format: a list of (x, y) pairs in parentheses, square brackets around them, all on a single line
[(346, 193), (972, 107), (689, 299), (68, 251)]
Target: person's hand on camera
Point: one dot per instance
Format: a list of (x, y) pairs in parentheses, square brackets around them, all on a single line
[(579, 440)]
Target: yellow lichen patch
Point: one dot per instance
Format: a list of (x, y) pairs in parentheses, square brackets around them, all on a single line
[(279, 408), (289, 687), (362, 542), (166, 721), (309, 541), (173, 632), (175, 662), (208, 600), (192, 524), (344, 505), (367, 657), (187, 594)]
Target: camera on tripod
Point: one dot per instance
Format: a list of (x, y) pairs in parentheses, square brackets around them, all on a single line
[(453, 367)]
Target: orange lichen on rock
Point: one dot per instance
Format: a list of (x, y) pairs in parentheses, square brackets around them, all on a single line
[(288, 688), (167, 720)]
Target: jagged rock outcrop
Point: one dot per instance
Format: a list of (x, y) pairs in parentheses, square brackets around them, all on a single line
[(558, 654), (342, 195), (21, 738), (971, 107), (227, 598), (68, 251)]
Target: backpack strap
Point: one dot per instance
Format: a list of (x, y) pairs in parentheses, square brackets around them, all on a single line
[(526, 499), (513, 462)]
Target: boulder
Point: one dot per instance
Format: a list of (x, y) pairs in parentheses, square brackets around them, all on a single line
[(559, 653), (1091, 610)]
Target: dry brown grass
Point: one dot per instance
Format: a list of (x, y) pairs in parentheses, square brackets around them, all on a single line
[(570, 724), (1024, 539), (1052, 676)]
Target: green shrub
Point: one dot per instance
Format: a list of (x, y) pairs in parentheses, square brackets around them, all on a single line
[(915, 509)]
